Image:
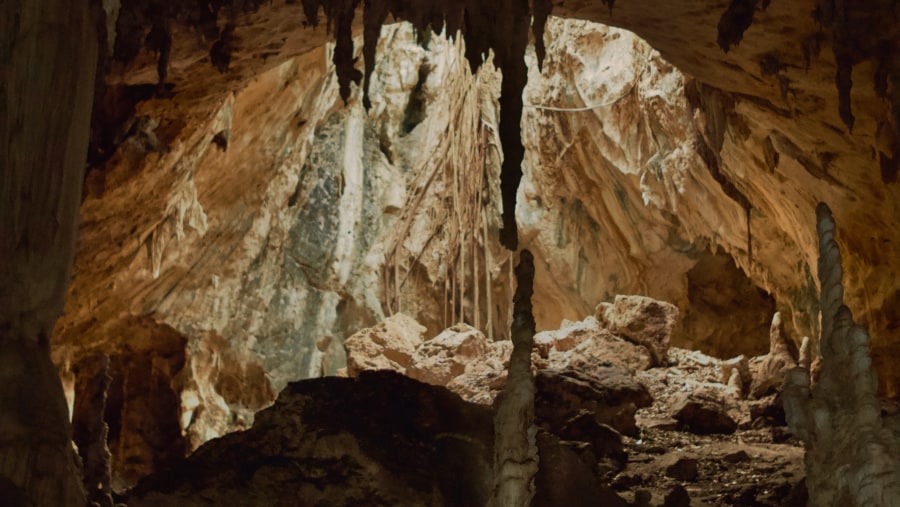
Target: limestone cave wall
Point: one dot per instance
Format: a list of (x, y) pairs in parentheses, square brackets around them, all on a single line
[(254, 230), (261, 219)]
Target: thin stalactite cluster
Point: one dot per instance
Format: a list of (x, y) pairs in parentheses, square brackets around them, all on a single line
[(500, 27)]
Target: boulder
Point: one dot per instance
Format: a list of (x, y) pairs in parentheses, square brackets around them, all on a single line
[(605, 443), (677, 497), (683, 469), (602, 347), (782, 356), (702, 415), (445, 357), (567, 337), (768, 411), (386, 346), (381, 439), (483, 379), (563, 479), (610, 393), (642, 320)]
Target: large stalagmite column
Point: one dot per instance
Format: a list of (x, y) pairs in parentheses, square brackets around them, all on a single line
[(48, 57), (851, 457)]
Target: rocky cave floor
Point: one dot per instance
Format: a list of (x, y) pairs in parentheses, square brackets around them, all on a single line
[(696, 430), (623, 420), (759, 464)]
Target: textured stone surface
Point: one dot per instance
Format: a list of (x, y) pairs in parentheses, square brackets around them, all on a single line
[(379, 439), (646, 322), (839, 417), (703, 414), (610, 393), (89, 429), (47, 69), (265, 252), (448, 355), (585, 345), (772, 130), (390, 345), (619, 197), (769, 374), (564, 479)]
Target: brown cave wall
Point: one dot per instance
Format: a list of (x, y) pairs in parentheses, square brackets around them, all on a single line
[(274, 222), (617, 200)]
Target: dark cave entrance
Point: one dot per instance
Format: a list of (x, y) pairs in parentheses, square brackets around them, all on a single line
[(727, 314)]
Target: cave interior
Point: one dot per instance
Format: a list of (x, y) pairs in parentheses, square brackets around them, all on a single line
[(449, 252)]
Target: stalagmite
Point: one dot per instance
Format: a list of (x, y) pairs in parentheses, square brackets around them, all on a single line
[(89, 428), (851, 458), (515, 453)]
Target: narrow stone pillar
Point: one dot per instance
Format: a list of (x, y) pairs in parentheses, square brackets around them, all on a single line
[(90, 429), (515, 451), (48, 58), (851, 456)]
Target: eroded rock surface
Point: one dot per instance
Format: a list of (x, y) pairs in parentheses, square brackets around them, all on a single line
[(770, 372), (269, 218), (642, 320)]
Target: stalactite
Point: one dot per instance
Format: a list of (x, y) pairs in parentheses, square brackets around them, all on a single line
[(490, 279), (500, 26), (540, 11), (749, 242)]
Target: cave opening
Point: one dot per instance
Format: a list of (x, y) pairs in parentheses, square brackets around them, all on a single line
[(728, 315)]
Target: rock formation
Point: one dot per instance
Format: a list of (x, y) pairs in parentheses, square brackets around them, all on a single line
[(641, 320), (851, 457), (390, 345), (315, 221), (769, 373), (46, 81), (379, 439), (203, 233), (90, 430)]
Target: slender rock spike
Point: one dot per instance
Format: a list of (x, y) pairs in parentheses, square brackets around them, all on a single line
[(515, 451), (839, 418), (541, 10)]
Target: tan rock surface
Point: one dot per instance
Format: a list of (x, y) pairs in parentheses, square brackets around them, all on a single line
[(585, 344), (769, 374), (646, 322), (390, 345), (446, 356), (262, 252)]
